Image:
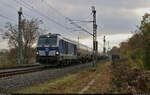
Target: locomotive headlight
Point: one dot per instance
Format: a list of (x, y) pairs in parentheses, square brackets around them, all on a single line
[(57, 52), (37, 52)]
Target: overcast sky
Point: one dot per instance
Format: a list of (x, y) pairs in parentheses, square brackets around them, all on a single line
[(114, 17)]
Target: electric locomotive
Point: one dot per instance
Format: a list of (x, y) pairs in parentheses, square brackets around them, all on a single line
[(53, 49)]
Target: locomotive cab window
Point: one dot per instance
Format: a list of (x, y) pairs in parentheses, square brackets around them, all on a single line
[(51, 41)]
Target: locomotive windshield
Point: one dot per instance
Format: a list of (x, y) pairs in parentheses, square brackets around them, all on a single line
[(51, 41)]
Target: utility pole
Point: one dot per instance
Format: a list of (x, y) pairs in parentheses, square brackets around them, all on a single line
[(78, 39), (19, 37), (95, 49), (108, 46), (104, 48)]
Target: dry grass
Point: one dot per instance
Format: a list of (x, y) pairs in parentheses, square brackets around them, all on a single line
[(54, 86), (118, 78), (72, 83), (121, 77), (103, 84)]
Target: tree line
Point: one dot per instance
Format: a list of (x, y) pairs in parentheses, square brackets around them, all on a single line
[(137, 48)]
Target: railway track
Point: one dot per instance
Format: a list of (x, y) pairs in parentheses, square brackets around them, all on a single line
[(8, 74)]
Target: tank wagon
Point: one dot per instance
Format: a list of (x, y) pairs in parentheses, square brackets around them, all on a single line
[(54, 49)]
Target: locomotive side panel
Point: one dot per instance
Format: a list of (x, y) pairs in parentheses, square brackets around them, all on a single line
[(61, 50)]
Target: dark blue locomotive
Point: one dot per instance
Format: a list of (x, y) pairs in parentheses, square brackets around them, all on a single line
[(53, 49)]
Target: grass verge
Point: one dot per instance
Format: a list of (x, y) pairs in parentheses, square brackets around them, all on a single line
[(117, 78), (72, 83)]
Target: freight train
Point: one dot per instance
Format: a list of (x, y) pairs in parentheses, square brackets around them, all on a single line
[(54, 49)]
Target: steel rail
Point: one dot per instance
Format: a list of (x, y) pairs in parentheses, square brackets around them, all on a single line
[(19, 72)]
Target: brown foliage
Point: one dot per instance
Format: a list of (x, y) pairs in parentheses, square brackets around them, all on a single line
[(137, 47), (129, 79)]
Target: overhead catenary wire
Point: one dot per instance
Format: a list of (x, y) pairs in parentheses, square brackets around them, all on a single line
[(67, 18), (31, 8), (24, 14), (78, 26), (45, 16), (59, 13), (82, 21), (5, 17), (8, 5), (13, 8)]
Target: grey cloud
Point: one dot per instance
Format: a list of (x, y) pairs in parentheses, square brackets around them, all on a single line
[(114, 16), (129, 4)]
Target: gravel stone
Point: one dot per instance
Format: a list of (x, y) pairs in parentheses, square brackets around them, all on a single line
[(8, 85)]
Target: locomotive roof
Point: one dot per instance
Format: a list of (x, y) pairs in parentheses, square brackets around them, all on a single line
[(48, 35)]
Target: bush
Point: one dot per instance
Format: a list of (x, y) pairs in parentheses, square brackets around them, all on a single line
[(137, 47)]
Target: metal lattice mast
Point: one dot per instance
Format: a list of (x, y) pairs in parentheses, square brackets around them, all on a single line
[(95, 49), (104, 48), (19, 37)]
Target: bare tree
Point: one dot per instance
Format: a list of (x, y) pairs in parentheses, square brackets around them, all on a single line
[(31, 30)]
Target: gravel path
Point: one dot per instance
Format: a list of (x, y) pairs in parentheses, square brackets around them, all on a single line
[(20, 81)]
